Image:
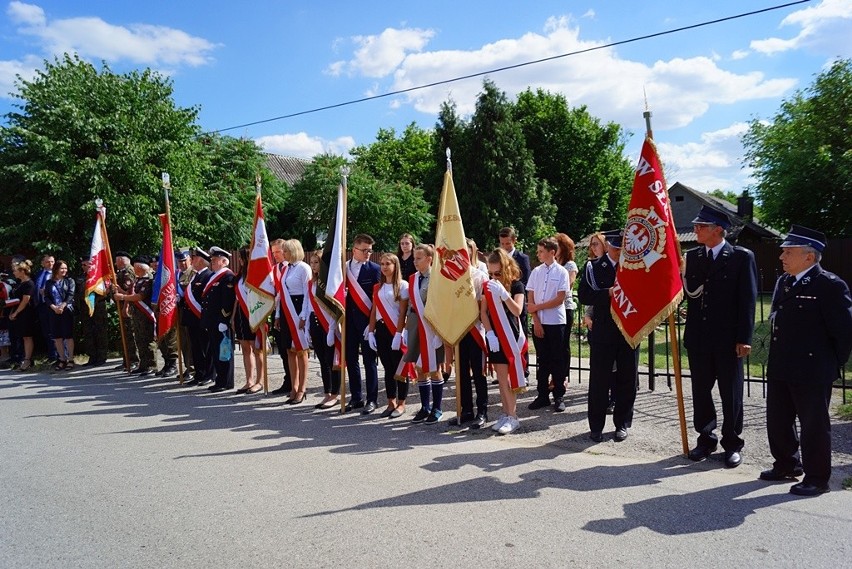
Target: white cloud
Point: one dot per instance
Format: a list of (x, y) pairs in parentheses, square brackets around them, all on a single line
[(92, 38), (590, 14), (824, 28), (715, 161), (739, 54), (612, 87), (379, 55), (302, 145), (9, 70)]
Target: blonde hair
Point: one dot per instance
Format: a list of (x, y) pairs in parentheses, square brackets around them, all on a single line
[(427, 249), (294, 250), (396, 277), (509, 271), (25, 266)]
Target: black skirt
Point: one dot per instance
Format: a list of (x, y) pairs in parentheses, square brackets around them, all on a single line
[(242, 329), (286, 337)]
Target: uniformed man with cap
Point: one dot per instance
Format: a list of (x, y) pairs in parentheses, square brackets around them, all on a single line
[(721, 288), (142, 315), (168, 343), (607, 345), (95, 326), (217, 306), (125, 277), (184, 277), (811, 321), (190, 317)]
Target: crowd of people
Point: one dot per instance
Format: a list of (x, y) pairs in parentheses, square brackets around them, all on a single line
[(385, 306)]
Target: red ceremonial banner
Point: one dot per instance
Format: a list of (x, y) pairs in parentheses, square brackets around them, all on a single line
[(648, 285), (167, 301)]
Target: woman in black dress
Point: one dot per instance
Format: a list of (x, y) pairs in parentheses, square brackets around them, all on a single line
[(405, 252), (23, 322), (59, 294), (250, 342)]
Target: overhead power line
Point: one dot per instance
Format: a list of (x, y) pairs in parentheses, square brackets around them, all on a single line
[(509, 67)]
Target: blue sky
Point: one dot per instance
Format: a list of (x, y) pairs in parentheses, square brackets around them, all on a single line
[(256, 59)]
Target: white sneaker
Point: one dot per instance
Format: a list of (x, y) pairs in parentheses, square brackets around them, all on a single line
[(496, 426), (508, 426)]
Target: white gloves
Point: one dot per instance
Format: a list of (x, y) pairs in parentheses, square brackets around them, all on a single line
[(396, 343), (371, 339), (366, 333), (405, 336), (223, 327), (329, 338), (493, 341), (437, 342), (496, 287)]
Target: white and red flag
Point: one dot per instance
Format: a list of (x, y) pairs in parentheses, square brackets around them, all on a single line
[(330, 288), (648, 285), (260, 280), (98, 277), (166, 277)]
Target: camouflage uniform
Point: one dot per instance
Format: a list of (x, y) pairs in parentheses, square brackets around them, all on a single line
[(143, 324), (184, 278), (95, 327), (125, 278)]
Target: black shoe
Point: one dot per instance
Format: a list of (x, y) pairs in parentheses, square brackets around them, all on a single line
[(479, 421), (142, 371), (596, 436), (733, 459), (354, 405), (420, 416), (168, 371), (434, 417), (466, 417), (610, 409), (620, 434), (217, 388), (558, 406), (807, 489), (369, 408), (773, 475), (700, 452), (539, 403)]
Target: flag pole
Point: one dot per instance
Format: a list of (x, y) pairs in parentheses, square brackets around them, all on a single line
[(166, 187), (672, 326), (457, 345), (344, 174), (258, 184), (99, 203)]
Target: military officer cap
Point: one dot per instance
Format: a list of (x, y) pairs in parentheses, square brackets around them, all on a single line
[(199, 252), (122, 254), (711, 216), (613, 237), (219, 252), (141, 259), (800, 236), (181, 254)]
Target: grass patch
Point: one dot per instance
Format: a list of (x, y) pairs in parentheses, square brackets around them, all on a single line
[(844, 411), (847, 483)]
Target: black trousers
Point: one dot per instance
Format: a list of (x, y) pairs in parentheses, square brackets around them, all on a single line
[(551, 358), (354, 342), (471, 366), (810, 403), (224, 369), (722, 366), (602, 358), (325, 355), (390, 359), (200, 345)]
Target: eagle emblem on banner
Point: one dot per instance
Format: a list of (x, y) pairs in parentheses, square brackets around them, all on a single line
[(644, 239)]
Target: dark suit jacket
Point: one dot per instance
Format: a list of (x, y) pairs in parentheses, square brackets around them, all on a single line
[(597, 279), (369, 275), (187, 317), (723, 314), (218, 304), (811, 329), (523, 262)]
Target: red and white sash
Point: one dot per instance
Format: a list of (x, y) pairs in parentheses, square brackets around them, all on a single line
[(191, 302), (215, 278), (514, 348), (291, 316), (241, 292), (145, 310), (390, 316), (428, 358), (325, 319), (362, 301)]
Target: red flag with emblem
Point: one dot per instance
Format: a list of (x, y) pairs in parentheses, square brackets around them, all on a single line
[(167, 301), (648, 285)]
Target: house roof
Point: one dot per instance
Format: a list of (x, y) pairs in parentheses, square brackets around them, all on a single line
[(286, 168), (754, 225)]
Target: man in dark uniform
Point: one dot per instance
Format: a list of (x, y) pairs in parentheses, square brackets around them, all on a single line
[(142, 315), (811, 321), (363, 274), (125, 277), (217, 306), (190, 316), (608, 346), (721, 288), (184, 277), (95, 326), (42, 305), (168, 344)]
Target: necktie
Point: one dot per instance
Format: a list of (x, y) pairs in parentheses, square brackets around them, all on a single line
[(710, 255), (789, 282)]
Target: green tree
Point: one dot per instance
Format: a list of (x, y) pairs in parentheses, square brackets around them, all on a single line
[(802, 160), (382, 209), (495, 175), (407, 159), (582, 160)]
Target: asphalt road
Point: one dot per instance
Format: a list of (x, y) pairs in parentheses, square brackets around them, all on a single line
[(100, 471)]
